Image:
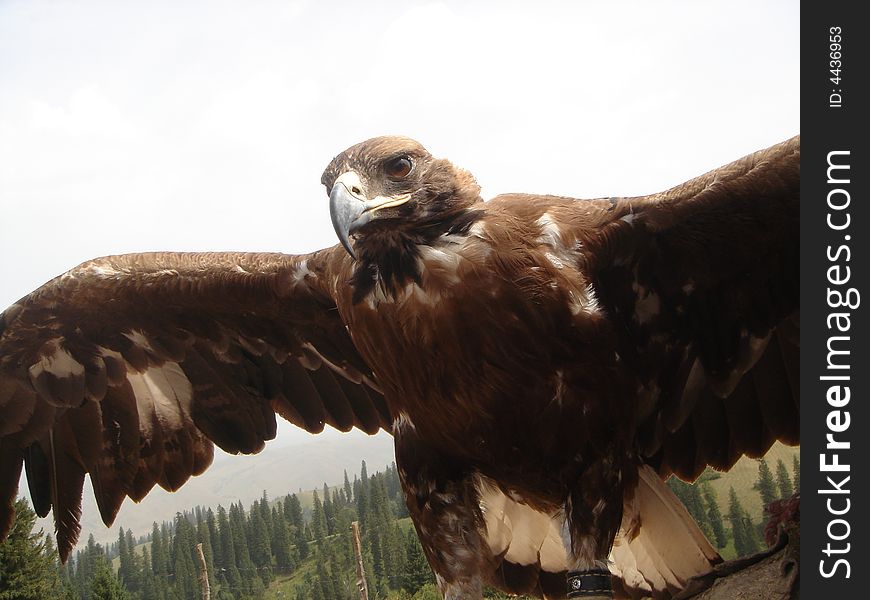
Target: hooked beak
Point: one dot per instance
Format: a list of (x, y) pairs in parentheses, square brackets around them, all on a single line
[(350, 209)]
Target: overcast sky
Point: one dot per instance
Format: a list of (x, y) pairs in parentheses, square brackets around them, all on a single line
[(163, 125)]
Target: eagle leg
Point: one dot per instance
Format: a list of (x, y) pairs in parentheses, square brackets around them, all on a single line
[(593, 512), (444, 505)]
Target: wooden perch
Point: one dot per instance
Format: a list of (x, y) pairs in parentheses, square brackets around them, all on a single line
[(769, 575)]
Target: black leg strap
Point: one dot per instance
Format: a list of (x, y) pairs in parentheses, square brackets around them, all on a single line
[(594, 582)]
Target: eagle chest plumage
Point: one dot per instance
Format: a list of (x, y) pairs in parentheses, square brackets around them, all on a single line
[(524, 389)]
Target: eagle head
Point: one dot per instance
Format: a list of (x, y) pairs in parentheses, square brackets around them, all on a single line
[(389, 190)]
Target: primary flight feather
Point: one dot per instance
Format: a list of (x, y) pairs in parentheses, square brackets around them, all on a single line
[(542, 362)]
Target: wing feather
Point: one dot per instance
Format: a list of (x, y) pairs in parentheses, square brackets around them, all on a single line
[(339, 414), (11, 460), (701, 285), (130, 368), (66, 480), (304, 396), (38, 479)]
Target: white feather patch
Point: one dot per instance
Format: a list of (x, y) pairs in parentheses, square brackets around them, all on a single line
[(138, 338), (403, 421), (446, 258), (168, 390), (658, 545), (301, 272), (103, 271), (529, 536), (586, 302), (550, 234), (59, 363)]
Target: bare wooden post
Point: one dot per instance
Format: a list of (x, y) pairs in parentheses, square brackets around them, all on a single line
[(206, 590), (360, 572)]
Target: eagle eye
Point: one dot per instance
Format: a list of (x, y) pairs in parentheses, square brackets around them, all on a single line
[(398, 167)]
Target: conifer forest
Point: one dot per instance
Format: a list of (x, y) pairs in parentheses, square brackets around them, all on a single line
[(300, 546)]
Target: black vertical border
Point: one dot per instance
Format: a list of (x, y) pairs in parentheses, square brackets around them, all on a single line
[(825, 129)]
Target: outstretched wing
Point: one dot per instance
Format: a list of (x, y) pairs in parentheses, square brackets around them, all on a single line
[(129, 368), (702, 282)]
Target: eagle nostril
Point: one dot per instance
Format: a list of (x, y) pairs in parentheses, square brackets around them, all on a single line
[(356, 190)]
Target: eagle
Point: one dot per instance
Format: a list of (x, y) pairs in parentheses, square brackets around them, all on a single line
[(543, 363)]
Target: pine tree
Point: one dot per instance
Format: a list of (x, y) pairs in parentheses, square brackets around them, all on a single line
[(382, 588), (183, 566), (417, 572), (105, 585), (266, 514), (348, 491), (27, 567), (58, 572), (313, 590), (135, 566), (735, 516), (362, 497), (783, 481), (690, 496), (86, 564), (318, 520), (203, 537), (228, 569), (261, 547), (238, 526), (281, 550), (751, 534), (796, 469), (765, 484), (746, 538), (156, 550), (129, 571), (149, 582), (257, 588), (714, 515), (329, 510), (383, 534), (293, 510), (67, 572), (323, 580), (393, 483), (214, 541), (123, 556), (293, 515), (166, 542)]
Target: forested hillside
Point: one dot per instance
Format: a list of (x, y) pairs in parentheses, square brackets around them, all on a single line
[(299, 546)]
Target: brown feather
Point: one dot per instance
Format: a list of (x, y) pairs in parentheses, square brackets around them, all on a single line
[(300, 390), (749, 435), (772, 388), (38, 478), (339, 414), (519, 579), (365, 412), (67, 477), (712, 432), (118, 462), (11, 459), (228, 420)]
